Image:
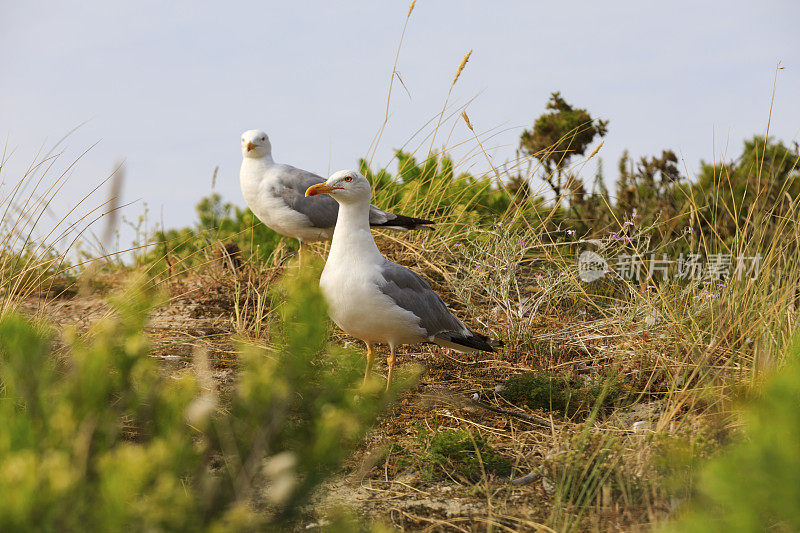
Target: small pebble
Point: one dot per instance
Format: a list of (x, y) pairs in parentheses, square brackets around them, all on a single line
[(642, 426)]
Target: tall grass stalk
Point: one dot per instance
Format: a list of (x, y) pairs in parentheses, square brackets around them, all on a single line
[(34, 253)]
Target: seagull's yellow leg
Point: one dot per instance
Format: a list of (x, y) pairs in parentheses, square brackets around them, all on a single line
[(391, 368), (302, 252), (370, 360)]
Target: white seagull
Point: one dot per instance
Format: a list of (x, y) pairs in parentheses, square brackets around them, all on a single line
[(275, 194), (374, 299)]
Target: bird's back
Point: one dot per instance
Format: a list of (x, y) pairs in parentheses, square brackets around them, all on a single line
[(275, 194)]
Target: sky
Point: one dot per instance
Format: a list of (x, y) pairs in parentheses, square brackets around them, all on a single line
[(169, 86)]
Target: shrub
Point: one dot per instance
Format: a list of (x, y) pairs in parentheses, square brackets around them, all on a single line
[(755, 485), (432, 189), (218, 222), (759, 189), (95, 437)]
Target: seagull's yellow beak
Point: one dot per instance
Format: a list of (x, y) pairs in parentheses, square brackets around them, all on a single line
[(250, 146), (321, 188)]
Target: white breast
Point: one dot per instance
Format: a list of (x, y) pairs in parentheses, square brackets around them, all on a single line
[(350, 286)]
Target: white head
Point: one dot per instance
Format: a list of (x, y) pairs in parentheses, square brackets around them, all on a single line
[(255, 144), (346, 187)]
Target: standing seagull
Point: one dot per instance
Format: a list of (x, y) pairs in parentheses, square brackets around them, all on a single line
[(274, 193), (374, 299)]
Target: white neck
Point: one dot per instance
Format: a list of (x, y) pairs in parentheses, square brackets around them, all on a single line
[(252, 172), (264, 160), (352, 239), (258, 162)]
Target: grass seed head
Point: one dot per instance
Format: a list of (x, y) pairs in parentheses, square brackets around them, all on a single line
[(594, 152), (466, 119), (461, 67)]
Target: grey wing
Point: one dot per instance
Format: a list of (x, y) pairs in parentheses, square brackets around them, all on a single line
[(411, 292), (321, 210), (379, 217)]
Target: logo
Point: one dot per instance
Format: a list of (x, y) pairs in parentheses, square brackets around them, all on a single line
[(716, 267), (591, 266)]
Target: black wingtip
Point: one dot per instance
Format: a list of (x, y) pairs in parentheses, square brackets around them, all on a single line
[(402, 221), (477, 341)]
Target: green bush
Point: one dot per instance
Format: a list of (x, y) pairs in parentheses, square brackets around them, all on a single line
[(432, 189), (94, 436), (218, 222), (755, 485), (758, 189)]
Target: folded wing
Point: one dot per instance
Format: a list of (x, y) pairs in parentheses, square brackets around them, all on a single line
[(411, 292)]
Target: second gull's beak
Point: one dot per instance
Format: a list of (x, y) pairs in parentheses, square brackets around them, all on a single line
[(320, 188), (250, 146)]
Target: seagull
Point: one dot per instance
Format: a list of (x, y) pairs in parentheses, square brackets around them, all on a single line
[(274, 193), (373, 299)]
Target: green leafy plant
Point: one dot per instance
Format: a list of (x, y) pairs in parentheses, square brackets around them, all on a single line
[(220, 226), (759, 188), (96, 437), (431, 188), (755, 484)]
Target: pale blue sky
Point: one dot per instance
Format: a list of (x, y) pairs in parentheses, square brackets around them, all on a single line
[(169, 86)]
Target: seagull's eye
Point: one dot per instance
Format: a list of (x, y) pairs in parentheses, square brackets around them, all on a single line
[(348, 179), (263, 138)]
